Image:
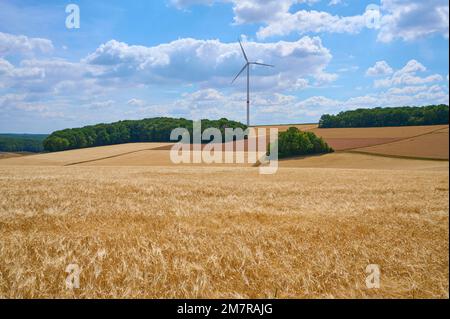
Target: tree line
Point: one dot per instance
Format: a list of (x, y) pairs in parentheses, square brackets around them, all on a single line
[(146, 130), (294, 142), (395, 116), (21, 143)]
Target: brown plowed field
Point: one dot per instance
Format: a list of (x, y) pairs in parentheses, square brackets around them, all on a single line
[(354, 138), (341, 139), (434, 145)]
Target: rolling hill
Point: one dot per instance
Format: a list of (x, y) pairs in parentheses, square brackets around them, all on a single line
[(418, 144), (142, 227)]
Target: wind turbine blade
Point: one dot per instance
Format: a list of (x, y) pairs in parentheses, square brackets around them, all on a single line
[(263, 64), (243, 51), (243, 69)]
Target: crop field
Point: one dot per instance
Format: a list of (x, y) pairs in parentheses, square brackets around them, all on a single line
[(349, 160), (399, 132), (428, 142), (173, 232), (357, 138), (4, 155), (80, 156), (137, 225), (336, 160), (433, 145)]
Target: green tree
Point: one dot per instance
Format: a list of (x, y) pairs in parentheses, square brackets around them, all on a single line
[(56, 144), (378, 117), (146, 130), (294, 142)]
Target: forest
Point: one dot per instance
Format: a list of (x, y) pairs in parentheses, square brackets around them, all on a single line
[(22, 142), (146, 130), (159, 130), (394, 116)]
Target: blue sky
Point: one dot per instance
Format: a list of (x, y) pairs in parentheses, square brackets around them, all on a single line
[(137, 59)]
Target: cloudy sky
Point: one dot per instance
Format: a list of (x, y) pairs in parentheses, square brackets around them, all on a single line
[(137, 59)]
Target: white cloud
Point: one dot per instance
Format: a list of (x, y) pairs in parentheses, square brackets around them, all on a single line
[(28, 106), (48, 87), (5, 67), (412, 66), (99, 105), (212, 63), (314, 107), (256, 11), (334, 2), (9, 100), (403, 19), (380, 68), (304, 21), (208, 66), (50, 75), (352, 68), (267, 107), (32, 107), (136, 102), (19, 44), (407, 90), (408, 76), (325, 78), (412, 19), (10, 73), (278, 19), (250, 11), (407, 79), (187, 3), (204, 95)]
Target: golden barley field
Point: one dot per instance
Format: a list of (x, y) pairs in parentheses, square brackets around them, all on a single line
[(138, 226), (4, 155), (80, 155), (223, 232)]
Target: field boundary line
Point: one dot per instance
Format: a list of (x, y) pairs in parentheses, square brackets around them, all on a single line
[(108, 157), (392, 142), (398, 156)]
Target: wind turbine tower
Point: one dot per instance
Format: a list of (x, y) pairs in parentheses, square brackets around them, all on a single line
[(247, 67)]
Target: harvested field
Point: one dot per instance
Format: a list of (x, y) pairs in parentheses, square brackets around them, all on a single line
[(181, 232), (428, 142), (336, 160), (4, 155), (364, 161), (434, 145), (341, 139), (399, 132), (160, 156), (152, 158), (80, 155), (343, 144), (355, 138)]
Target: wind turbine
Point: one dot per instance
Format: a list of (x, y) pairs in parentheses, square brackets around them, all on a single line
[(247, 66)]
